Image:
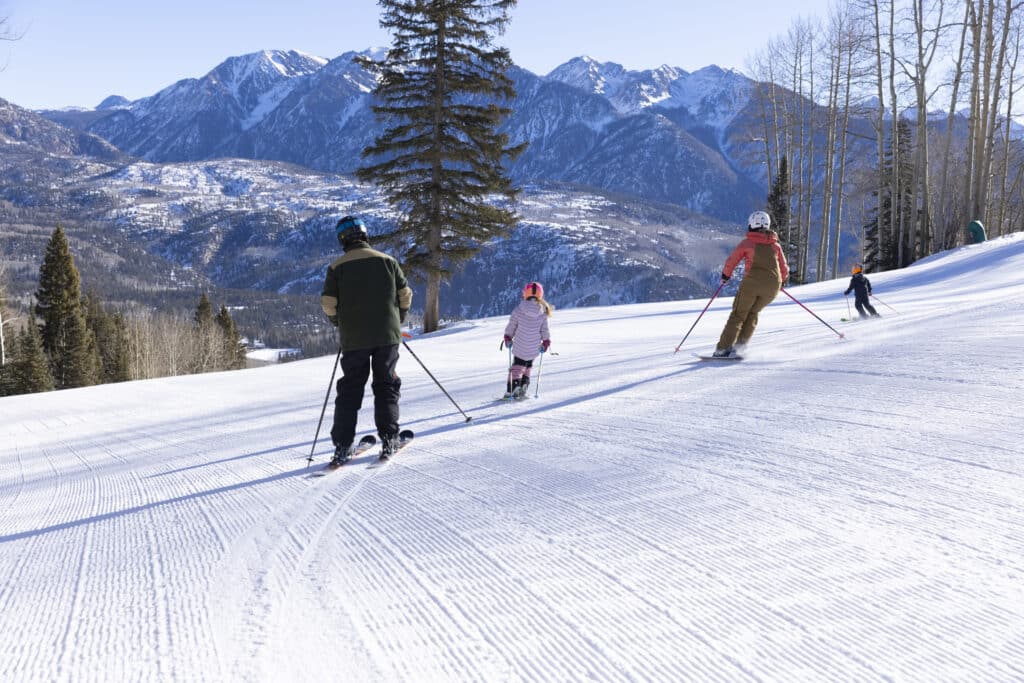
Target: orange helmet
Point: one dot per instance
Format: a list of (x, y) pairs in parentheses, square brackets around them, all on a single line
[(857, 269), (533, 289)]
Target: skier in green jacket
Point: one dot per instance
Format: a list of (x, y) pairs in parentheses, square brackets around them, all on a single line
[(366, 295)]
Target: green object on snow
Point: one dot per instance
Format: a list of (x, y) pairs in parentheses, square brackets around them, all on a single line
[(975, 232)]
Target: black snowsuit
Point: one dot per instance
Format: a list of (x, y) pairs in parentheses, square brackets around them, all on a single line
[(861, 288)]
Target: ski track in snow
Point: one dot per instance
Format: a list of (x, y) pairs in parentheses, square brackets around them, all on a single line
[(824, 510)]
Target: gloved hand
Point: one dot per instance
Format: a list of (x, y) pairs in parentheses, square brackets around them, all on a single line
[(402, 312), (508, 341), (725, 278), (544, 345)]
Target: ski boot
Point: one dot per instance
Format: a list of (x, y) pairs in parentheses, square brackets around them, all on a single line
[(389, 444), (513, 390), (342, 454), (522, 390)]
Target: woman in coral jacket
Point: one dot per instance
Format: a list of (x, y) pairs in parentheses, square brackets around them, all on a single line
[(765, 271)]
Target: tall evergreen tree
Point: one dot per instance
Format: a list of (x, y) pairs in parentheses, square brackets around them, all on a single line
[(6, 348), (31, 370), (65, 335), (440, 157), (234, 351), (3, 317), (882, 231), (111, 338), (203, 316), (208, 348), (778, 208)]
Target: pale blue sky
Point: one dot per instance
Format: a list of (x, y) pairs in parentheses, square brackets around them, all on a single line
[(76, 52)]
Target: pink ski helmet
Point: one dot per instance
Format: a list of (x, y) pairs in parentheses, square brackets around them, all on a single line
[(533, 289)]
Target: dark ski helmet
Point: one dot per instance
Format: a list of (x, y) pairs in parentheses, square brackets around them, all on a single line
[(351, 229)]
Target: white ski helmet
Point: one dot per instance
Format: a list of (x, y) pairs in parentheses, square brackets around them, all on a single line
[(759, 220)]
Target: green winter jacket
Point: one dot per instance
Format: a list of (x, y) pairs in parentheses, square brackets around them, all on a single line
[(366, 294)]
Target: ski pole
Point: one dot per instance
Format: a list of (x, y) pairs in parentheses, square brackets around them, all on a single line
[(884, 304), (849, 313), (324, 409), (841, 336), (508, 372), (700, 316), (536, 387), (407, 348)]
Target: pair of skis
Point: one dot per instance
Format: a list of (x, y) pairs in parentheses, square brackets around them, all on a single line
[(725, 358), (365, 444), (513, 398)]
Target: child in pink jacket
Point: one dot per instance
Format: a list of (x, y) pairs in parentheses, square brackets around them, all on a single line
[(527, 335)]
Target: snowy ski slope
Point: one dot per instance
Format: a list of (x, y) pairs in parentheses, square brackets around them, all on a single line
[(826, 510)]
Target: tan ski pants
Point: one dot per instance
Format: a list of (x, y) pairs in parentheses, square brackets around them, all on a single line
[(753, 296)]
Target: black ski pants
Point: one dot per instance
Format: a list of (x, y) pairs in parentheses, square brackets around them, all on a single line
[(355, 368), (861, 304)]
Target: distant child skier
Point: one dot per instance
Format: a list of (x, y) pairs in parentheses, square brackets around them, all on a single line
[(765, 271), (861, 288), (527, 336)]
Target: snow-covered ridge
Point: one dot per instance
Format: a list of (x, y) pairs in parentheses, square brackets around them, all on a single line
[(711, 95), (826, 510)]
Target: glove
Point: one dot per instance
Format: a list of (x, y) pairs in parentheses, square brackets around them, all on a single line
[(544, 345), (508, 341), (402, 312), (725, 278)]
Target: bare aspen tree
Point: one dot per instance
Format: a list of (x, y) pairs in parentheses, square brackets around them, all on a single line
[(854, 43), (989, 25), (774, 163), (835, 60), (1003, 24), (761, 68), (927, 36), (896, 190), (948, 216), (1001, 226), (798, 47), (804, 114), (805, 238), (975, 15), (883, 185)]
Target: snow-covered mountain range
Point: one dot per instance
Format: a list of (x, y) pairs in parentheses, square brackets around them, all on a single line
[(662, 134), (268, 225)]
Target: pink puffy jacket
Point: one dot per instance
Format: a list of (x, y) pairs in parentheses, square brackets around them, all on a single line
[(528, 327)]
